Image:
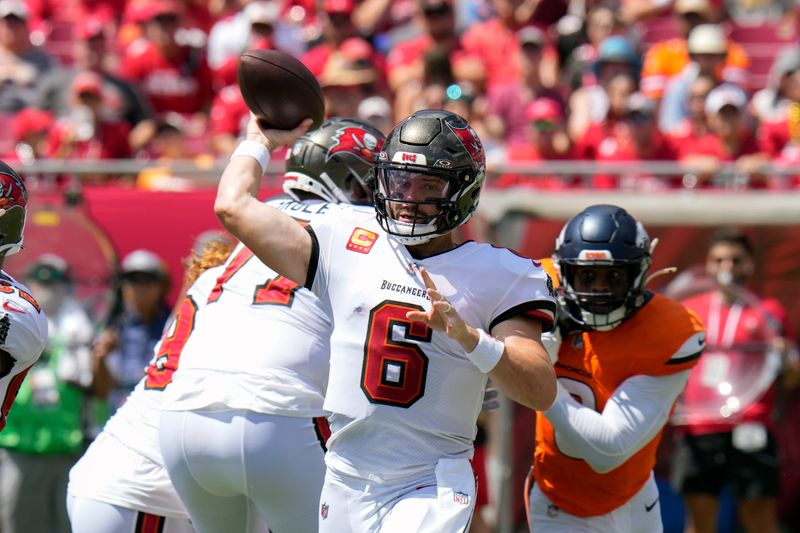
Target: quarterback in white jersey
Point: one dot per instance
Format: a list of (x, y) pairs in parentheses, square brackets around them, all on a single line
[(120, 484), (248, 397), (23, 325), (412, 311)]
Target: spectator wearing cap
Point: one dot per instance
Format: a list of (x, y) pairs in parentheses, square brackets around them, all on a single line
[(435, 20), (708, 48), (376, 110), (495, 41), (85, 132), (29, 129), (506, 102), (21, 63), (46, 431), (631, 137), (728, 140), (171, 75), (592, 104), (666, 59), (121, 99), (125, 346), (546, 141), (349, 76)]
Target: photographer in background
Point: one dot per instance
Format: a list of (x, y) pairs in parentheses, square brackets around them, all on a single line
[(125, 347)]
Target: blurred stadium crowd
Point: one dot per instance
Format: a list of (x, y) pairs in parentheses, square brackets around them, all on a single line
[(713, 86)]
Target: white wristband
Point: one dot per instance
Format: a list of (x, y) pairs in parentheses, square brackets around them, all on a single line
[(487, 352), (253, 149)]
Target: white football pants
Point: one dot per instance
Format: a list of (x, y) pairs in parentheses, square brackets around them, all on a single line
[(231, 466), (441, 502)]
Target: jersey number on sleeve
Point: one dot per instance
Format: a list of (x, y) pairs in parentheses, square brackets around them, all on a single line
[(274, 291), (159, 371), (394, 371)]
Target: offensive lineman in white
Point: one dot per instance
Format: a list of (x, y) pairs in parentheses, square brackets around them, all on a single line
[(23, 325), (243, 432), (120, 484), (412, 311)]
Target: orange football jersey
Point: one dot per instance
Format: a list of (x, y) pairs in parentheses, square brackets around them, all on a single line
[(600, 361)]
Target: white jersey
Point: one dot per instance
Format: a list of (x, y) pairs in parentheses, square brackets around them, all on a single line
[(23, 334), (262, 342), (402, 395), (136, 423)]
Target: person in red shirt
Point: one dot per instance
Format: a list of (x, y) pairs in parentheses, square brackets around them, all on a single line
[(728, 139), (84, 133), (547, 141), (174, 77), (349, 77), (507, 101), (632, 137), (740, 450), (29, 131), (337, 28), (437, 21), (228, 117), (695, 125), (495, 41)]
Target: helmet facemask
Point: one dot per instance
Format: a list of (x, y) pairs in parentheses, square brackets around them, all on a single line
[(416, 204), (603, 311)]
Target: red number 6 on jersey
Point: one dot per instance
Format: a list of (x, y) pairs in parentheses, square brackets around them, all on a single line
[(394, 371)]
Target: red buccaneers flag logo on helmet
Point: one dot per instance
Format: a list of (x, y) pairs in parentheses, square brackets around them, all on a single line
[(471, 142), (355, 141)]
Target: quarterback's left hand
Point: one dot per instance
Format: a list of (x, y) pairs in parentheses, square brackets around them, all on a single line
[(443, 317)]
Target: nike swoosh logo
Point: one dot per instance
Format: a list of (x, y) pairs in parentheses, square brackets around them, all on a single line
[(9, 307), (649, 508)]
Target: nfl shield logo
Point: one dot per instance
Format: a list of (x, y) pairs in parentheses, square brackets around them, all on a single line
[(324, 511), (461, 497), (552, 511)]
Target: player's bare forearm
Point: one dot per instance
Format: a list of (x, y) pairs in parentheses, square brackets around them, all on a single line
[(274, 237), (524, 373)]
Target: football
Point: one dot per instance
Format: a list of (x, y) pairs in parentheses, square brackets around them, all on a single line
[(279, 89)]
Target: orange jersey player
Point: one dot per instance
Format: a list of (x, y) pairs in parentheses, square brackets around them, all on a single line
[(623, 358)]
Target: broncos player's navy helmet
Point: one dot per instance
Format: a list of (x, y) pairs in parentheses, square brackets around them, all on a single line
[(602, 236)]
